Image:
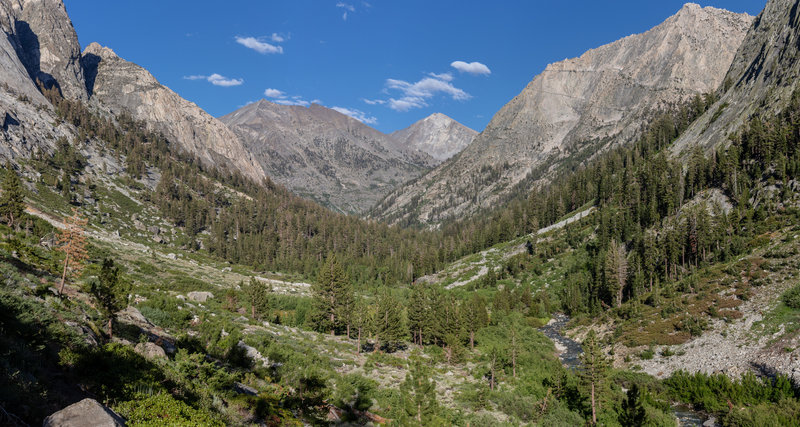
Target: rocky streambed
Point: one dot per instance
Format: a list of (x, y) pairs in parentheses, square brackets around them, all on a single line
[(569, 352)]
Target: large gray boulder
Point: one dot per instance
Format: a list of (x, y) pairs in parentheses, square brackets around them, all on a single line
[(87, 412), (201, 297)]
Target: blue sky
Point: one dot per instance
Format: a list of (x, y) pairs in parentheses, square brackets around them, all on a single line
[(389, 63)]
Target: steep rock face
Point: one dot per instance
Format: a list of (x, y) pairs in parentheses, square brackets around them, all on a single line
[(324, 155), (124, 87), (576, 108), (437, 135), (26, 117), (763, 76), (46, 42)]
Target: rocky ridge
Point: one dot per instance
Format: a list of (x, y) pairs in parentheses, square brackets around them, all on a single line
[(762, 77), (334, 159), (574, 109), (120, 86)]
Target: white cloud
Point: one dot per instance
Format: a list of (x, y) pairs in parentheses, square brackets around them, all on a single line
[(347, 9), (274, 93), (357, 114), (216, 80), (259, 45), (277, 38), (474, 68), (444, 76), (407, 103), (374, 101), (415, 95), (293, 101), (346, 6)]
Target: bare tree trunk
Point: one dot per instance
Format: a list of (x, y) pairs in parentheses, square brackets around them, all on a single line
[(491, 381), (110, 330), (594, 412), (514, 355), (472, 340), (359, 340), (63, 276)]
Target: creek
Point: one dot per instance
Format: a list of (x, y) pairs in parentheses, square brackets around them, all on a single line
[(570, 353)]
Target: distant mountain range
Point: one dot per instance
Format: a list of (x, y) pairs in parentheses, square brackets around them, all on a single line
[(335, 159), (574, 109)]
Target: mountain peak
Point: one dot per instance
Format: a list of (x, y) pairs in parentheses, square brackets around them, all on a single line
[(97, 49), (437, 135)]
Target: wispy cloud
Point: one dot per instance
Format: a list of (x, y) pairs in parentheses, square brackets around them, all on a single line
[(277, 38), (357, 114), (374, 101), (416, 95), (474, 68), (216, 80), (298, 101), (259, 45), (274, 93), (444, 76), (347, 8)]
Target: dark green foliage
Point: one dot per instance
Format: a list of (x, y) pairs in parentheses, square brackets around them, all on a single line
[(389, 323), (792, 297), (257, 295), (713, 392), (593, 373), (419, 394), (163, 409), (633, 412), (110, 292), (333, 299), (12, 200), (354, 393)]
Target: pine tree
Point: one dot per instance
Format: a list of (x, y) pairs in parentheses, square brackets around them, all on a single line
[(331, 287), (389, 324), (616, 271), (419, 307), (73, 244), (110, 291), (257, 294), (476, 317), (594, 370), (419, 392), (633, 413), (12, 201)]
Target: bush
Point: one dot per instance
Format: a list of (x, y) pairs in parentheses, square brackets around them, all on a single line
[(164, 410), (792, 297)]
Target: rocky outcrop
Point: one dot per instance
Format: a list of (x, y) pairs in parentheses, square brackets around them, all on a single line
[(46, 42), (324, 155), (87, 412), (437, 135), (26, 118), (119, 86), (576, 108), (762, 76)]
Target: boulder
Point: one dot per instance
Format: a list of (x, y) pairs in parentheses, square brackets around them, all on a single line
[(150, 350), (87, 412), (199, 296)]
